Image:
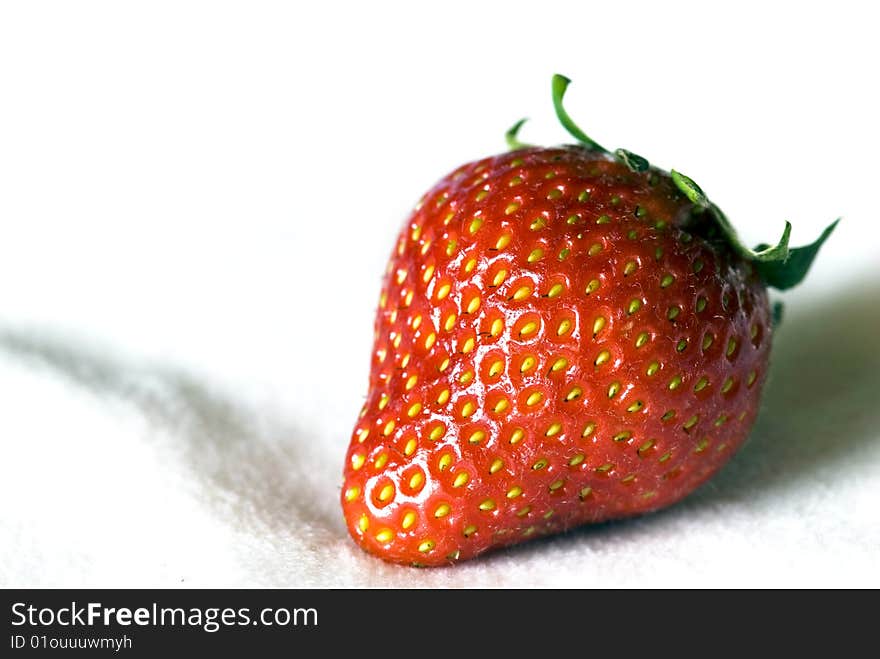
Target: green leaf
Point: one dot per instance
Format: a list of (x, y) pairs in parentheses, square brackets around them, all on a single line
[(635, 162), (511, 139), (690, 189), (778, 253), (559, 85), (789, 272)]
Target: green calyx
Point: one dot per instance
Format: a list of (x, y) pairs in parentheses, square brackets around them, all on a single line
[(779, 266)]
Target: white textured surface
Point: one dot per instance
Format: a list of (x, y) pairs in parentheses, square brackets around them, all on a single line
[(196, 204)]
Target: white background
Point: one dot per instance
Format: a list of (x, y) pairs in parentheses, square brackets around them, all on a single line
[(197, 201)]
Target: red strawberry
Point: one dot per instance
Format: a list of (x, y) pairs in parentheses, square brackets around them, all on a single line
[(564, 336)]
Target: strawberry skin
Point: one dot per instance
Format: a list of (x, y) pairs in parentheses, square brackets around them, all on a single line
[(561, 339)]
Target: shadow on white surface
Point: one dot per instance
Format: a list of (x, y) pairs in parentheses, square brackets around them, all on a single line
[(247, 463)]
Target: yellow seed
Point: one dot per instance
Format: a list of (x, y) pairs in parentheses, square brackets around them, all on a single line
[(522, 512), (466, 377), (450, 322), (559, 364), (357, 461), (576, 460), (410, 447), (499, 278), (385, 535), (443, 397), (393, 317), (731, 347), (416, 480), (467, 409), (411, 382), (408, 299), (429, 341), (352, 493), (517, 435), (443, 365), (701, 445), (589, 429), (522, 292), (535, 255), (644, 448), (701, 384), (585, 492), (496, 465), (496, 367), (538, 224), (629, 268), (487, 504), (405, 361), (444, 461), (460, 479), (468, 345), (666, 281), (383, 299), (426, 546), (534, 398), (602, 357), (443, 291), (383, 401), (408, 520), (500, 406), (635, 407), (477, 436), (555, 193), (593, 286), (474, 304), (503, 242), (574, 392), (470, 265), (417, 321), (363, 523), (642, 339), (362, 435), (527, 364), (475, 225), (497, 327), (555, 290), (595, 248), (437, 432), (450, 247), (386, 493), (653, 367), (727, 386), (528, 328), (634, 305), (540, 464), (555, 485), (598, 324), (429, 272), (690, 423), (514, 492), (564, 327), (553, 429), (442, 510), (469, 531), (482, 194), (396, 342), (613, 389), (605, 468), (381, 461), (674, 383), (511, 208)]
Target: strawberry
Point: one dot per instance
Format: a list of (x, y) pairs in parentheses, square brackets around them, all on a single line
[(564, 336)]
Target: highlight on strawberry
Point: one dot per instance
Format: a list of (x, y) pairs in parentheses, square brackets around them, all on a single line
[(565, 335)]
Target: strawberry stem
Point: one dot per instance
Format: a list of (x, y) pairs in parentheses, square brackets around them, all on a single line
[(511, 136), (559, 85)]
